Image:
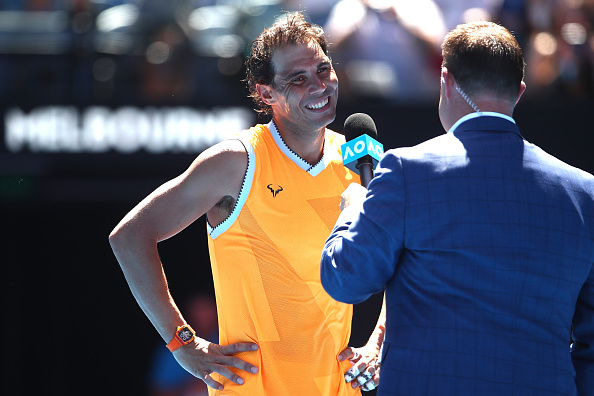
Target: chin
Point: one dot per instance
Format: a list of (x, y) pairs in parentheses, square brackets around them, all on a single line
[(331, 114), (327, 120)]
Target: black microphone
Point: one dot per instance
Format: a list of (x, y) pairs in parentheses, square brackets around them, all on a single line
[(360, 133)]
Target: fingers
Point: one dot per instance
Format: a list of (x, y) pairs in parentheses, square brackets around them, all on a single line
[(365, 376), (207, 358), (223, 371), (354, 194), (238, 347), (212, 383), (240, 364), (348, 353), (370, 385), (362, 375), (367, 380), (227, 373), (236, 362), (354, 371)]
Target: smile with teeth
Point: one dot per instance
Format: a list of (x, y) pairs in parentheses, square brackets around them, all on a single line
[(319, 105)]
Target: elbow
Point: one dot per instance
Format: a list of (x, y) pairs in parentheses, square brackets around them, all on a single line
[(113, 237), (335, 286), (342, 283), (339, 294), (114, 240), (117, 238), (129, 237)]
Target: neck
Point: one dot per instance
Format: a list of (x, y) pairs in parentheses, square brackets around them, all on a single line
[(496, 106), (463, 108), (307, 144)]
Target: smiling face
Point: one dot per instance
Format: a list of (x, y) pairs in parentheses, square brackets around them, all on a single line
[(304, 91)]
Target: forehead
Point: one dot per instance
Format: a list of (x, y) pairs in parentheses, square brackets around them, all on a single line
[(291, 58)]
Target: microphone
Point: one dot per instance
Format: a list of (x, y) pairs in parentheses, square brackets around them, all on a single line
[(361, 152)]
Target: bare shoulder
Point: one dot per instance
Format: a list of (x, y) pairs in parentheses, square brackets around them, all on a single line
[(226, 156), (222, 166), (212, 182), (218, 172)]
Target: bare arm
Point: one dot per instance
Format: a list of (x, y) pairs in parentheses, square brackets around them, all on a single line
[(216, 175)]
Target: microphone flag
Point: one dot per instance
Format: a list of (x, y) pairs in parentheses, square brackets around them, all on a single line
[(359, 147)]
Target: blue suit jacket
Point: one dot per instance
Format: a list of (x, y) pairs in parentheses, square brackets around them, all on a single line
[(485, 246)]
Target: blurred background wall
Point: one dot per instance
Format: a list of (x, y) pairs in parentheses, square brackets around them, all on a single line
[(103, 100)]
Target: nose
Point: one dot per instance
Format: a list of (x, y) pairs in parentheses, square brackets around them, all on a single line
[(317, 85)]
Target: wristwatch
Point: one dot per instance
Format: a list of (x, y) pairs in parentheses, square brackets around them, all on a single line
[(183, 336)]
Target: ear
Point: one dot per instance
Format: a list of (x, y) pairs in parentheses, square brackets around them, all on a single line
[(265, 92), (447, 82), (522, 89)]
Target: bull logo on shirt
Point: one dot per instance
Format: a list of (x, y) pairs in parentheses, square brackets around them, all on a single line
[(274, 190)]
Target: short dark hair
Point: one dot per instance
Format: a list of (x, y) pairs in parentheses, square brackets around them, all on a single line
[(289, 30), (484, 56)]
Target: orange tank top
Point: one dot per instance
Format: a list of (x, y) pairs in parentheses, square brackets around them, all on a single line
[(266, 268)]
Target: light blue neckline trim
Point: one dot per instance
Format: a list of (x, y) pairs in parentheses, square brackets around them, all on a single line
[(243, 194), (313, 170), (481, 114)]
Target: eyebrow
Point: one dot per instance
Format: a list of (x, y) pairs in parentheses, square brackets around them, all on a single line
[(299, 72)]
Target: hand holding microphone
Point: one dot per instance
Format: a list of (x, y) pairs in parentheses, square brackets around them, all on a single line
[(360, 153)]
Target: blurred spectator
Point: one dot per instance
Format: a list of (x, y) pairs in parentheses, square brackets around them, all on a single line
[(456, 12), (317, 11), (512, 15), (386, 49), (166, 76), (167, 377), (560, 50)]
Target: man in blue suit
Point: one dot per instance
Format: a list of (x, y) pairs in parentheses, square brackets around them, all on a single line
[(483, 243)]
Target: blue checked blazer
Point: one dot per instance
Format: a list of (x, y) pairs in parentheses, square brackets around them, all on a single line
[(484, 245)]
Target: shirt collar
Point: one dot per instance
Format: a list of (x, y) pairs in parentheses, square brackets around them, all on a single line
[(313, 170), (479, 114)]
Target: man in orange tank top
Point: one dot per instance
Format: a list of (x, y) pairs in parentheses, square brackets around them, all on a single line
[(280, 332)]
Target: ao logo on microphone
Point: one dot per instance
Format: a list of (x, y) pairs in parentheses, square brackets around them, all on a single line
[(360, 147)]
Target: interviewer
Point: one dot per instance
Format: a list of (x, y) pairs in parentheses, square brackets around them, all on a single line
[(483, 242)]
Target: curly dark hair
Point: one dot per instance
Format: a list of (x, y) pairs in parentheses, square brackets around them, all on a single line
[(484, 55), (289, 30)]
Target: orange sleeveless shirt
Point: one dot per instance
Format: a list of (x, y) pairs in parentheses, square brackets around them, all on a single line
[(266, 268)]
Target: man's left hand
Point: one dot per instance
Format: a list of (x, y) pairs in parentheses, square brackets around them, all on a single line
[(364, 371)]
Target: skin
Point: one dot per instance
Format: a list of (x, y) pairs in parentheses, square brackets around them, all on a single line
[(303, 98), (304, 78), (168, 210), (452, 105)]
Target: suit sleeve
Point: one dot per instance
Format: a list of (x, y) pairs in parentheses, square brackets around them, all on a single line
[(583, 336), (361, 254)]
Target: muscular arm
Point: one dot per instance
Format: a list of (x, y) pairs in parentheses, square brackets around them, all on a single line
[(215, 176)]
